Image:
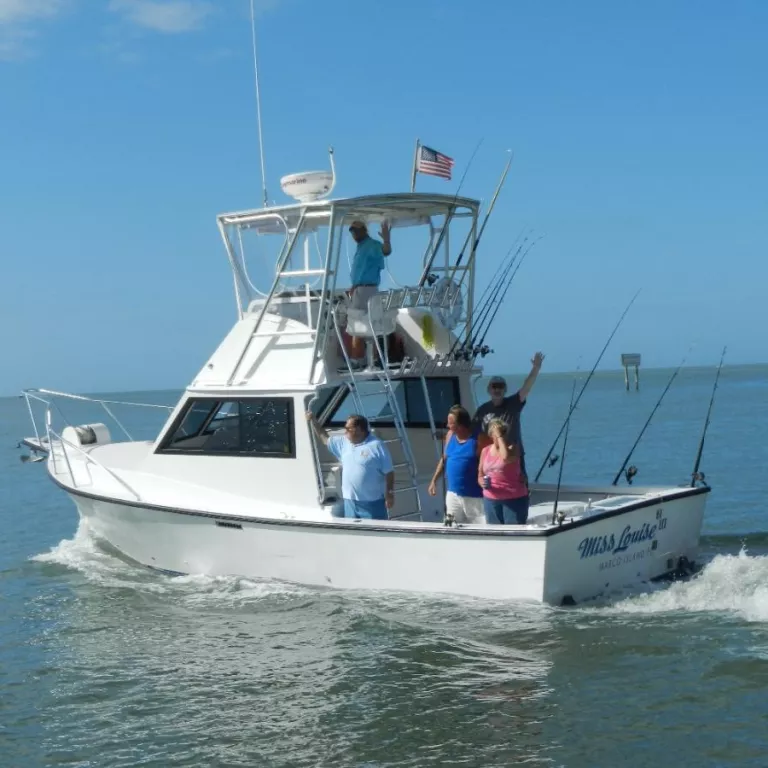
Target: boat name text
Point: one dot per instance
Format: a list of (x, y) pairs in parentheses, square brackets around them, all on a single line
[(593, 546)]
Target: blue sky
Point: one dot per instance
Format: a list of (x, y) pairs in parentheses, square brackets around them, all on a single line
[(127, 125)]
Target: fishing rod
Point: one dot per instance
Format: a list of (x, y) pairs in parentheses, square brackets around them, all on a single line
[(493, 288), (483, 304), (503, 265), (452, 296), (565, 445), (630, 473), (500, 299), (452, 209), (488, 213), (586, 383), (695, 474)]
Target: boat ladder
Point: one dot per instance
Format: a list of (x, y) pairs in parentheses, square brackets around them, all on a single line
[(382, 376)]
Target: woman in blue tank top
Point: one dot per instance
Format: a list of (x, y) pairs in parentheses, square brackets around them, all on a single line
[(461, 451)]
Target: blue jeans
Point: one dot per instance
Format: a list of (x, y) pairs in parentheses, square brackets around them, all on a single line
[(506, 511), (365, 510)]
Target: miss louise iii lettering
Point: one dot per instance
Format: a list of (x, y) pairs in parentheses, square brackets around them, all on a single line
[(593, 546)]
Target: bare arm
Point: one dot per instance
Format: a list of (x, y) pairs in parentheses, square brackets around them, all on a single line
[(386, 245), (508, 453), (432, 490), (525, 390), (438, 472), (480, 472), (321, 432), (389, 498)]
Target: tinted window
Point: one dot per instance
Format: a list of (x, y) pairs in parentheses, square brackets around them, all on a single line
[(257, 426), (443, 393)]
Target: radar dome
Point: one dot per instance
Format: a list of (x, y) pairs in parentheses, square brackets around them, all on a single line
[(309, 186)]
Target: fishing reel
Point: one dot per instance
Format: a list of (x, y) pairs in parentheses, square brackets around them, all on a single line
[(553, 460), (482, 350), (629, 473)]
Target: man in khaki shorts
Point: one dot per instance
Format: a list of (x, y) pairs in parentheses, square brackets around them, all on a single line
[(367, 264)]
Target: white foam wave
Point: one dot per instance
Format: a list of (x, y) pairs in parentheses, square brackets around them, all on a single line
[(83, 554), (734, 584)]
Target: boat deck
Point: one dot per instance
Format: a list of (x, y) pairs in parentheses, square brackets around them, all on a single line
[(121, 469)]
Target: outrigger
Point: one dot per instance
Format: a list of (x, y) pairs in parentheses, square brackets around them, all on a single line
[(236, 483)]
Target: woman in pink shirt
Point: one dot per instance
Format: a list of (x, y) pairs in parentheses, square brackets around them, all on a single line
[(505, 487)]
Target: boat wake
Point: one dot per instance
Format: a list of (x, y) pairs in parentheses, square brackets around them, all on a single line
[(100, 565), (732, 584)]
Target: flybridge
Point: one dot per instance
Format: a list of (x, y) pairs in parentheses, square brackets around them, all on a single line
[(291, 262)]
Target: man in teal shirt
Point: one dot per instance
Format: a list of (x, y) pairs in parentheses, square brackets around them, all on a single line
[(367, 264)]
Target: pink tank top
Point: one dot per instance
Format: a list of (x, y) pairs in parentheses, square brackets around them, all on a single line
[(506, 478)]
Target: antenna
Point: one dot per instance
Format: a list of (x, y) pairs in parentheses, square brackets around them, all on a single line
[(258, 104)]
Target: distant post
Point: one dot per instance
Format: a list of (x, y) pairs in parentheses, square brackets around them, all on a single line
[(628, 361)]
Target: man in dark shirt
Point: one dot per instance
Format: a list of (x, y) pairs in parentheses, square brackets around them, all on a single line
[(508, 409)]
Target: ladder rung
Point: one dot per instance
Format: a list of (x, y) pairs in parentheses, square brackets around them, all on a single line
[(305, 273), (407, 488)]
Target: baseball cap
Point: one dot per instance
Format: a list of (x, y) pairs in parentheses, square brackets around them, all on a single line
[(497, 380), (358, 224)]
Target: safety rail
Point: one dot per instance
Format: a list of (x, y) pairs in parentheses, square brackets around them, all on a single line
[(411, 297), (89, 459), (48, 398), (34, 394)]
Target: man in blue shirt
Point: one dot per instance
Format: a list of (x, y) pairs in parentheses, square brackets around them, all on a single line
[(367, 473), (367, 264)]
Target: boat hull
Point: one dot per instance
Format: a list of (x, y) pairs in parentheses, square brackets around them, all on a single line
[(578, 561)]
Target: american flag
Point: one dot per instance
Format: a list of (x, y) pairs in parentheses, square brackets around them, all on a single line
[(433, 163)]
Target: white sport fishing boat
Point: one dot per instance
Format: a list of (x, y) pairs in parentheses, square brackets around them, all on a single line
[(236, 482)]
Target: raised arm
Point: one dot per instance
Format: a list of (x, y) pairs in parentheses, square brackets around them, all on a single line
[(508, 453), (384, 234), (321, 432), (530, 380)]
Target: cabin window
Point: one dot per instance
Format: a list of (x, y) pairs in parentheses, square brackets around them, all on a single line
[(254, 426), (409, 393), (443, 394)]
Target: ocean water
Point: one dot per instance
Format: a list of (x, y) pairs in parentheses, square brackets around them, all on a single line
[(103, 663)]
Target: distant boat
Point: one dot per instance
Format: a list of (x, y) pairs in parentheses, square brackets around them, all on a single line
[(237, 484)]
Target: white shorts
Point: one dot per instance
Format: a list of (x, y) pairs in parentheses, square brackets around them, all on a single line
[(465, 509)]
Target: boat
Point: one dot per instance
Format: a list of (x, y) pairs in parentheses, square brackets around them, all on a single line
[(236, 482)]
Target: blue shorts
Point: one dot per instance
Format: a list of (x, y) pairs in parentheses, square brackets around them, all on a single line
[(365, 510), (506, 511)]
